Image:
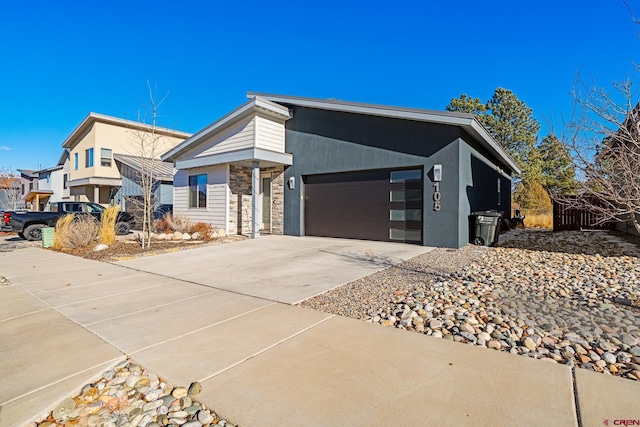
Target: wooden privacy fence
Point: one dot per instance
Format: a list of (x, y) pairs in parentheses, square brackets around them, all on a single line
[(567, 218)]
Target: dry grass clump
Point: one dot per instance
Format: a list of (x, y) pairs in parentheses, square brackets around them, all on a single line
[(108, 226), (205, 230), (74, 232), (544, 220), (161, 225), (174, 222)]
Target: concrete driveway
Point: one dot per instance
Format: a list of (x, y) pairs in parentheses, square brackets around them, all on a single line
[(284, 269)]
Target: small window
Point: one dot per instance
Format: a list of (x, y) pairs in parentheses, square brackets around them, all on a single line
[(48, 178), (405, 195), (75, 161), (105, 157), (407, 175), (198, 191), (405, 215), (65, 180), (88, 158)]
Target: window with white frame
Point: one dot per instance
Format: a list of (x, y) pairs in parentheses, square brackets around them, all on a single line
[(198, 191), (105, 157)]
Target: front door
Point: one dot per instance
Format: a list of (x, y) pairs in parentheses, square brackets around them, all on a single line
[(265, 202)]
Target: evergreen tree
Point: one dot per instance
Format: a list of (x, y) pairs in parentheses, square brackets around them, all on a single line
[(512, 125), (558, 168)]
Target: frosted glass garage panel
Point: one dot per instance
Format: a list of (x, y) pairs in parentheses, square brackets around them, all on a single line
[(405, 235), (405, 214), (406, 175), (405, 195)]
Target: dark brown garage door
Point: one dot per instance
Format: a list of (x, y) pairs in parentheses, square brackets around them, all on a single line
[(370, 205)]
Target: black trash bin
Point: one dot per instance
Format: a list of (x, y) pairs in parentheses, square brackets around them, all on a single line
[(485, 228)]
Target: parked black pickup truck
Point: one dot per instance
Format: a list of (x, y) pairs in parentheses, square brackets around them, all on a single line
[(29, 225)]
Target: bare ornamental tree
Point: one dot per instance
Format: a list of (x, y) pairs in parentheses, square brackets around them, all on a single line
[(147, 145), (604, 138)]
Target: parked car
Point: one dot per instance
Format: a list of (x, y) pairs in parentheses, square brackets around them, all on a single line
[(29, 225)]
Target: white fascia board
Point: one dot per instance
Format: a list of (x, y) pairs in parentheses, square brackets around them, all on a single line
[(249, 154), (253, 105), (95, 181), (372, 109)]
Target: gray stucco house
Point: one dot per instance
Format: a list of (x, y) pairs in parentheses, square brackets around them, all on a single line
[(312, 167)]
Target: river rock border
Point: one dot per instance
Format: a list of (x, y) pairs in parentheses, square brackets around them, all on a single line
[(543, 295)]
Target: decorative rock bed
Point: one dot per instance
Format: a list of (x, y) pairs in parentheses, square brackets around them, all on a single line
[(129, 396), (549, 296)]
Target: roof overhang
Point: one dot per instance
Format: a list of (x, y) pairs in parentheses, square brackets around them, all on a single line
[(161, 171), (37, 194), (468, 122), (92, 118), (255, 105), (265, 159), (95, 180), (47, 170)]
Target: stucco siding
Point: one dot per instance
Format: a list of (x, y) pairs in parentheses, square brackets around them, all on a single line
[(269, 134), (215, 213), (87, 141)]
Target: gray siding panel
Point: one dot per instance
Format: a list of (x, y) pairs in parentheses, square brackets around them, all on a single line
[(269, 134), (217, 194), (237, 137)]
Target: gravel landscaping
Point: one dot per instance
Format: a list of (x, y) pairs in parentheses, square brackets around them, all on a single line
[(567, 297), (129, 395)]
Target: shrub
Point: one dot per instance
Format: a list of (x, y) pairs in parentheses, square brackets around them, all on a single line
[(108, 226), (161, 225), (75, 231), (178, 222), (206, 230)]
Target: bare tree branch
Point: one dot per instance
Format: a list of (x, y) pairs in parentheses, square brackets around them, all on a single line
[(604, 138)]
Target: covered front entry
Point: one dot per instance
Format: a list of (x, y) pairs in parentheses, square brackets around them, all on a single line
[(383, 205)]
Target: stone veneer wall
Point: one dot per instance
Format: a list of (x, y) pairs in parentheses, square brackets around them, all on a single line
[(277, 199), (240, 199)]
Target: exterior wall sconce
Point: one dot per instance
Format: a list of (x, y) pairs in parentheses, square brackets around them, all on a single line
[(437, 173), (292, 183)]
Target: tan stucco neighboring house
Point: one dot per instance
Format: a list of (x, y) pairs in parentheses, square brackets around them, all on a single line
[(91, 172)]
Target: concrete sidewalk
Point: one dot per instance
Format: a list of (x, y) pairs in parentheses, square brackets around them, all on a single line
[(65, 320)]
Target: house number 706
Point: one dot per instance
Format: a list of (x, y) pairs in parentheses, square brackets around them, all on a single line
[(436, 196)]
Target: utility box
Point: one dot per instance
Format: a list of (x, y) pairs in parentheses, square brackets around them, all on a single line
[(485, 228), (47, 237)]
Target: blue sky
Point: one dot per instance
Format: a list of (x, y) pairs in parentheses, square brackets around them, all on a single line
[(62, 60)]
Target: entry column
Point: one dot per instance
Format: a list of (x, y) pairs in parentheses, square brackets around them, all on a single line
[(255, 192)]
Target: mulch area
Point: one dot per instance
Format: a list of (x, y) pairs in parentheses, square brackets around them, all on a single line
[(130, 249)]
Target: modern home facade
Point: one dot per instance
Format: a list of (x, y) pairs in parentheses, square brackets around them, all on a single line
[(311, 167)]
